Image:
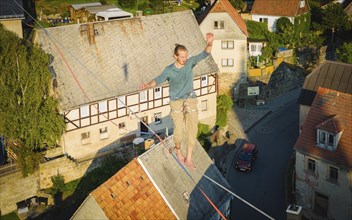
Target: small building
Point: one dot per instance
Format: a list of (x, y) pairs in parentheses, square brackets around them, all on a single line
[(155, 186), (11, 15), (78, 13), (331, 75), (268, 12), (112, 13), (324, 157), (230, 40), (255, 47)]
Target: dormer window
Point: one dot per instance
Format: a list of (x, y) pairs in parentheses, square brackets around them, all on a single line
[(329, 133), (302, 4)]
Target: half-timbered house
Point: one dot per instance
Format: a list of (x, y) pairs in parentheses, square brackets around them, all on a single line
[(97, 68)]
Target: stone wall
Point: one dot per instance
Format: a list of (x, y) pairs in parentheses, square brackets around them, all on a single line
[(226, 82), (15, 188)]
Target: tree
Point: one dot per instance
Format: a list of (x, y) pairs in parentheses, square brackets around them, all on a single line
[(127, 3), (335, 18), (30, 120), (157, 6), (223, 105), (344, 53), (238, 4), (267, 53), (282, 23)]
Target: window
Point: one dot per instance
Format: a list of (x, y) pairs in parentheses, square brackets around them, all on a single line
[(227, 44), (253, 47), (333, 174), (104, 133), (302, 4), (263, 20), (103, 107), (158, 118), (204, 105), (204, 80), (122, 125), (311, 165), (143, 96), (84, 111), (85, 138), (157, 93), (326, 140), (121, 101), (226, 62), (219, 25)]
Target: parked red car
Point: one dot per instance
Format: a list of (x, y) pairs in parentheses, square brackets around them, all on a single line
[(246, 157)]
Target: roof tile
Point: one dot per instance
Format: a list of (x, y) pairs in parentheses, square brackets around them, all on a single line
[(331, 110), (288, 8)]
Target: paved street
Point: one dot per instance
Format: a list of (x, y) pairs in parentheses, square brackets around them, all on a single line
[(274, 128)]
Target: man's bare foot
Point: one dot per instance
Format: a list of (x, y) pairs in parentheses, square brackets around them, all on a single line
[(190, 164), (180, 156)]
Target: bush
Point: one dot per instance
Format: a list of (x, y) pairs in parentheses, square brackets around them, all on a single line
[(203, 136), (58, 184), (224, 104)]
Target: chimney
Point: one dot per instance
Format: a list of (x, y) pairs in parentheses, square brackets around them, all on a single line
[(90, 32)]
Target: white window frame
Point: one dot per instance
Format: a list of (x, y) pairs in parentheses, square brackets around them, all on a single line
[(121, 101), (157, 92), (253, 47), (103, 106), (324, 140), (204, 105), (227, 44), (219, 24), (204, 80), (104, 132), (158, 118), (85, 138), (84, 110), (143, 96), (226, 62), (122, 125)]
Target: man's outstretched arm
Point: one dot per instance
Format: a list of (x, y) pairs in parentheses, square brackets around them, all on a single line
[(147, 85), (210, 38)]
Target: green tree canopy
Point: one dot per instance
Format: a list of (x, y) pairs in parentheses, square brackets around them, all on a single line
[(335, 18), (344, 53), (29, 116), (127, 3), (282, 23), (238, 4)]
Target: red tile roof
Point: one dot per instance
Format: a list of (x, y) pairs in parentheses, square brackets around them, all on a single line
[(225, 6), (130, 194), (331, 125), (331, 110), (288, 8)]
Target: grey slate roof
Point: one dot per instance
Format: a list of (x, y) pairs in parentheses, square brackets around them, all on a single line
[(331, 75), (172, 181), (9, 9), (126, 53)]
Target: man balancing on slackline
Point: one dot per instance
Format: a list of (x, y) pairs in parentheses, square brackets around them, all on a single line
[(183, 101)]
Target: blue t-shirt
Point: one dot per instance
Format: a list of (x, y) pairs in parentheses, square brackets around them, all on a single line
[(180, 79)]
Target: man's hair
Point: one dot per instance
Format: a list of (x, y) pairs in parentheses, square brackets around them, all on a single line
[(179, 47)]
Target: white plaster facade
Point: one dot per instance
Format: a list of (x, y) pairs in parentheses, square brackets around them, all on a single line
[(270, 20), (230, 59), (99, 125), (310, 184)]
